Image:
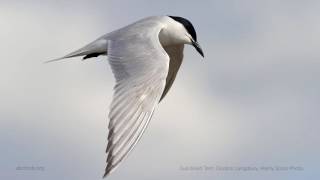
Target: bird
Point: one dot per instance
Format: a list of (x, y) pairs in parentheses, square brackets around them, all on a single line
[(145, 57)]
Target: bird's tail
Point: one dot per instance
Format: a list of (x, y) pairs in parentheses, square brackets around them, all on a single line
[(94, 49)]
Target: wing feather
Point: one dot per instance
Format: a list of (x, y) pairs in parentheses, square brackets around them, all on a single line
[(140, 66), (175, 53)]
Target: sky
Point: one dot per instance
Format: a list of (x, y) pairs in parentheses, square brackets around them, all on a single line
[(250, 105)]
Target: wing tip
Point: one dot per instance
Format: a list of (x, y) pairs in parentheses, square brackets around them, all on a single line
[(53, 60), (109, 169), (106, 174)]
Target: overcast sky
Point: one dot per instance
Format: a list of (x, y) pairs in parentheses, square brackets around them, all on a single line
[(252, 102)]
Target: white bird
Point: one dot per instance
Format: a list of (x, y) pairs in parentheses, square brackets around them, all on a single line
[(145, 57)]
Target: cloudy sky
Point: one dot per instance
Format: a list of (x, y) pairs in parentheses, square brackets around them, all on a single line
[(252, 102)]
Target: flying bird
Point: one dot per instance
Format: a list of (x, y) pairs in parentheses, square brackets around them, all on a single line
[(145, 57)]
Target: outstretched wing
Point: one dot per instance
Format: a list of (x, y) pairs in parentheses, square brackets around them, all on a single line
[(175, 53), (140, 66)]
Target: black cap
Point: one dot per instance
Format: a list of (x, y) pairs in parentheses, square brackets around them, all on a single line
[(187, 24)]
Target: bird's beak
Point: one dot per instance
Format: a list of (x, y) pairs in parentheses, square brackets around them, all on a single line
[(196, 45)]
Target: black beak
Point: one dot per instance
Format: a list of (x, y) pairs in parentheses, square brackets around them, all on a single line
[(198, 47)]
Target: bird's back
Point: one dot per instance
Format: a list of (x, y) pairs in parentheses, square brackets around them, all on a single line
[(138, 28)]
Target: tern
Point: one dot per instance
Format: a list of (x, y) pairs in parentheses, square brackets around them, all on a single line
[(145, 57)]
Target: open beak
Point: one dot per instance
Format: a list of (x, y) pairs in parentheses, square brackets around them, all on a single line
[(198, 47)]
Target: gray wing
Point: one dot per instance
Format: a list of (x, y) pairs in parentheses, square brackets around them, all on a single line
[(176, 55), (140, 66)]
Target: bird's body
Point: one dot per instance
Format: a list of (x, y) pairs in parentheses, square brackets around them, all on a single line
[(145, 58)]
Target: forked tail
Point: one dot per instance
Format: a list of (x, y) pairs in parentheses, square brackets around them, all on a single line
[(94, 49)]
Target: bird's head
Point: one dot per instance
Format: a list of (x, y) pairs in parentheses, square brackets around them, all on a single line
[(189, 33)]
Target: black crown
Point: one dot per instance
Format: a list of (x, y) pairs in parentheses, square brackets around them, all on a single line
[(187, 24)]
